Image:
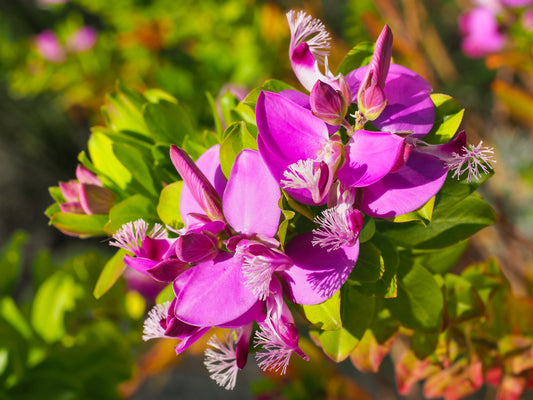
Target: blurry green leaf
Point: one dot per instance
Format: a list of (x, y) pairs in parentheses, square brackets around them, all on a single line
[(236, 138), (11, 314), (168, 207), (11, 261), (419, 304), (227, 102), (440, 261), (448, 226), (424, 344), (140, 168), (216, 117), (110, 274), (462, 299), (81, 225), (423, 214), (163, 169), (132, 138), (168, 122), (167, 294), (156, 95), (42, 267), (448, 117), (358, 56), (129, 210), (369, 266), (56, 194), (243, 112), (325, 316), (110, 169), (54, 298), (13, 350), (486, 278)]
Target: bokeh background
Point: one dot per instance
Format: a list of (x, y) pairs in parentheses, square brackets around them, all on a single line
[(58, 59)]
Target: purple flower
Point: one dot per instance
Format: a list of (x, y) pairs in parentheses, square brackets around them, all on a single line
[(49, 48), (371, 98), (517, 3), (308, 50), (82, 40), (86, 194), (481, 32)]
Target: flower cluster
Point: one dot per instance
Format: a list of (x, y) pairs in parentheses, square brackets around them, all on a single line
[(484, 27), (351, 147)]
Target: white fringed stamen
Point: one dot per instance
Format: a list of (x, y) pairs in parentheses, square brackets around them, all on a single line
[(302, 175), (305, 28), (130, 236), (152, 325), (257, 272), (475, 160), (335, 229), (221, 360), (274, 354)]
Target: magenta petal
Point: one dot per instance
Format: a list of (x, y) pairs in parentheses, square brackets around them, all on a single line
[(256, 313), (70, 190), (72, 207), (406, 190), (287, 132), (212, 293), (189, 340), (167, 270), (140, 264), (86, 176), (317, 274), (96, 199), (209, 164), (195, 247), (369, 157), (409, 108), (251, 197), (305, 66)]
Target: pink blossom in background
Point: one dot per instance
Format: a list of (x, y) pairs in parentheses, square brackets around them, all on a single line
[(516, 3), (481, 33), (45, 3), (82, 40), (527, 20), (49, 47)]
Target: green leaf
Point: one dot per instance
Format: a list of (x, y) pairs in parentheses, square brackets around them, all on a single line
[(110, 273), (387, 285), (168, 207), (369, 266), (11, 314), (236, 138), (442, 260), (167, 294), (336, 344), (357, 311), (448, 117), (81, 225), (486, 277), (123, 110), (56, 194), (11, 257), (139, 166), (129, 210), (423, 214), (368, 230), (272, 85), (358, 56), (110, 170), (168, 122), (327, 315), (462, 299), (54, 298), (227, 102), (419, 304), (424, 344), (448, 226), (13, 351)]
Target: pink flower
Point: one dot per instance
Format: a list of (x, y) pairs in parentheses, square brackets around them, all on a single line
[(49, 47), (481, 33), (82, 40)]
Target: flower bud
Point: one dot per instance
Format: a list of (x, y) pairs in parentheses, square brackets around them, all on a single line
[(329, 104)]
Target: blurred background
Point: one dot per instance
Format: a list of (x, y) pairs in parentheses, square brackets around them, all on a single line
[(59, 58)]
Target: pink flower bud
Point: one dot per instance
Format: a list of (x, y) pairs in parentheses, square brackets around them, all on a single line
[(329, 104), (49, 47)]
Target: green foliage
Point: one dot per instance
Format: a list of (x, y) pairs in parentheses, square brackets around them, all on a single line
[(10, 261)]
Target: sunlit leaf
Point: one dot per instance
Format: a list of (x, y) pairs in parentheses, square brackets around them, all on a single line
[(236, 138), (168, 206), (81, 225), (129, 210), (358, 56), (112, 271), (448, 117), (326, 315), (462, 299)]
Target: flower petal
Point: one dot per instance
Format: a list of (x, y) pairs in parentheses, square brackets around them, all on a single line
[(212, 293), (250, 201), (209, 164), (409, 108), (317, 273), (406, 190), (369, 157)]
